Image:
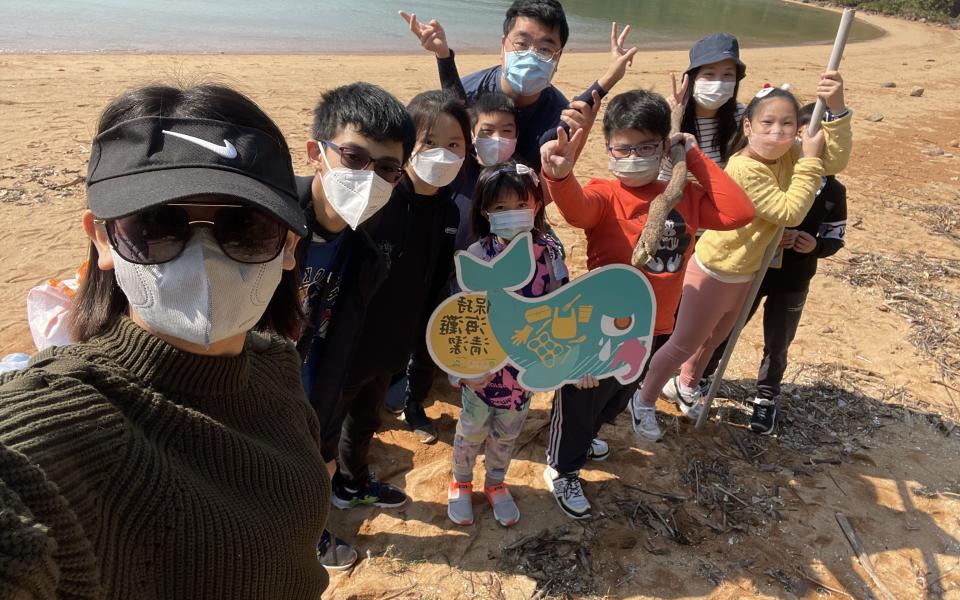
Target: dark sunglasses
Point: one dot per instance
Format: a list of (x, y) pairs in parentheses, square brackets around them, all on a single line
[(158, 235), (359, 159)]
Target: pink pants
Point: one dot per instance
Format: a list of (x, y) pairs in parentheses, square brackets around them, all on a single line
[(708, 312)]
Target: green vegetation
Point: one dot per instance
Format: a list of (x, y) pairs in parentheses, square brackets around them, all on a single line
[(941, 11)]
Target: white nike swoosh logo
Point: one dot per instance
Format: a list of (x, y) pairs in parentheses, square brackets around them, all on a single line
[(227, 150)]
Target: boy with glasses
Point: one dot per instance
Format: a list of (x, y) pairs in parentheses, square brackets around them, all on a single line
[(362, 137), (613, 213)]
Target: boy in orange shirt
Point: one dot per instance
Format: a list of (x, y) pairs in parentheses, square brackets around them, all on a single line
[(613, 213)]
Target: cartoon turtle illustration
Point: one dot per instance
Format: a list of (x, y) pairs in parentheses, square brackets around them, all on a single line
[(600, 324)]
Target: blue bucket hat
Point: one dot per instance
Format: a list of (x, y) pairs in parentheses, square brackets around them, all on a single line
[(714, 48)]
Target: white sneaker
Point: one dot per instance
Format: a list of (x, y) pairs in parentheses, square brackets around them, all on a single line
[(568, 490), (599, 450), (644, 419), (689, 404)]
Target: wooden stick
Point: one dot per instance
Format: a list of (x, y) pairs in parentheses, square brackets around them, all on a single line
[(846, 21), (862, 556), (819, 583), (738, 442)]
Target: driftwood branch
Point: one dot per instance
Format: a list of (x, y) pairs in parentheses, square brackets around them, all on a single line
[(667, 200)]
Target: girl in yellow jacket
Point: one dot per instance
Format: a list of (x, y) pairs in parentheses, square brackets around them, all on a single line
[(781, 175)]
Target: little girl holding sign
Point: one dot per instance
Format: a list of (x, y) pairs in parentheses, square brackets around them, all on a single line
[(781, 176), (508, 202)]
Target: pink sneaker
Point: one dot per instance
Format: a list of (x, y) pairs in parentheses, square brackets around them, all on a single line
[(505, 510), (460, 503)]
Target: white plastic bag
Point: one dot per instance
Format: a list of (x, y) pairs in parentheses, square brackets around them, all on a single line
[(48, 306)]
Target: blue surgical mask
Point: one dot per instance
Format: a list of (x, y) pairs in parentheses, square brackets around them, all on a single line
[(527, 73)]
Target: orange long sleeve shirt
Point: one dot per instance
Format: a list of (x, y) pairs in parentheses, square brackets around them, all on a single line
[(613, 216)]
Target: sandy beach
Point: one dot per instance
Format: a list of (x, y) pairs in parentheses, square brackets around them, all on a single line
[(718, 513)]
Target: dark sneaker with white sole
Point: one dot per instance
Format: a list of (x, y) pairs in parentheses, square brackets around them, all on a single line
[(420, 423), (764, 418), (599, 450), (335, 554), (704, 385), (372, 492)]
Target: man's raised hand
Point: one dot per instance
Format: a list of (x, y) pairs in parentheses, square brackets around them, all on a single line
[(620, 58), (431, 36)]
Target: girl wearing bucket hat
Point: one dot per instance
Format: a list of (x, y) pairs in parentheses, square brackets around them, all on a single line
[(709, 87), (170, 453)]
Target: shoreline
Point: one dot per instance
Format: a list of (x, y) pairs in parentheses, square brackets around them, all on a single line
[(470, 52)]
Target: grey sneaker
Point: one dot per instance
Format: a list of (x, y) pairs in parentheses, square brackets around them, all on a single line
[(460, 502), (599, 450), (644, 419), (505, 510), (689, 404), (568, 490)]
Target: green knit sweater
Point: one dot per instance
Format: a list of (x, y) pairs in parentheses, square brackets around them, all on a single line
[(130, 469)]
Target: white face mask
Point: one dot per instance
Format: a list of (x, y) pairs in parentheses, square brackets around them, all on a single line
[(508, 224), (635, 171), (713, 94), (203, 296), (355, 195), (436, 166), (493, 150)]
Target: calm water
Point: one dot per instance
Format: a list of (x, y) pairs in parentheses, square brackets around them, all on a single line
[(373, 25)]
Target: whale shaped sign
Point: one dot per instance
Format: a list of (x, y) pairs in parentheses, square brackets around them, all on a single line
[(600, 324)]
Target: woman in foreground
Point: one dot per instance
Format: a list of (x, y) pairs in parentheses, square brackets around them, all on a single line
[(171, 453)]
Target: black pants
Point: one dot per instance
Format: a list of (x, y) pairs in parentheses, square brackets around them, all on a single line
[(577, 415), (781, 317), (420, 372), (363, 400), (576, 418)]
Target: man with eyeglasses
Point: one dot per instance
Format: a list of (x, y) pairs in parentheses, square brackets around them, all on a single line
[(362, 136), (534, 35)]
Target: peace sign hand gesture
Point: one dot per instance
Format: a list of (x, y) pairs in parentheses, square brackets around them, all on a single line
[(678, 96), (558, 156), (620, 58), (431, 36)]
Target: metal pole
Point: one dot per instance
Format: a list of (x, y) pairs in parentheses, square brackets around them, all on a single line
[(846, 20)]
